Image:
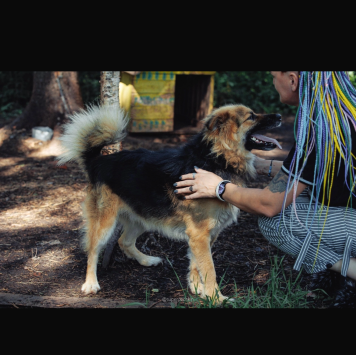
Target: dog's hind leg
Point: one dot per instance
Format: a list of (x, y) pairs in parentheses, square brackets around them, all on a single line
[(127, 243), (100, 210)]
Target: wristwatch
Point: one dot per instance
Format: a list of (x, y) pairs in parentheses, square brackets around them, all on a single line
[(220, 189)]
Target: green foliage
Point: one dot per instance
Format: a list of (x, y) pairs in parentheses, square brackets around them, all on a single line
[(352, 75), (16, 89), (89, 82), (254, 89)]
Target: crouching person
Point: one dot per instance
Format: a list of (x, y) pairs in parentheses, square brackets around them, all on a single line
[(308, 209)]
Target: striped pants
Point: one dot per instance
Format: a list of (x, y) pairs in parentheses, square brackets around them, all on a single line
[(338, 239)]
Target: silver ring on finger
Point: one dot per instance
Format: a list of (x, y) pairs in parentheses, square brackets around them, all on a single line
[(191, 188), (194, 176)]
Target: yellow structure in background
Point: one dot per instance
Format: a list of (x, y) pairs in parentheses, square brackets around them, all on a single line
[(149, 98)]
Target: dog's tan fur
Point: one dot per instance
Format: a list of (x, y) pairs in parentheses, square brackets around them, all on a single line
[(197, 221)]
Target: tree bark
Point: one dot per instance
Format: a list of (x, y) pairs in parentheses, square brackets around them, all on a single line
[(109, 94), (55, 95), (109, 87)]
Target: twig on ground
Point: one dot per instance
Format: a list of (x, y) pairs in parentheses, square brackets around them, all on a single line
[(152, 305)]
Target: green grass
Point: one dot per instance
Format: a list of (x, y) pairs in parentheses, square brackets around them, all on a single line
[(279, 291)]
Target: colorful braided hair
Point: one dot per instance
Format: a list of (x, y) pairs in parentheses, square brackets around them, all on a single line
[(325, 117)]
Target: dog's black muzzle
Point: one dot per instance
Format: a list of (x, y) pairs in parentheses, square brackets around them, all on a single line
[(258, 141)]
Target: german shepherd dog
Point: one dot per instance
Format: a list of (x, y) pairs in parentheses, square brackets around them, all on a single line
[(135, 188)]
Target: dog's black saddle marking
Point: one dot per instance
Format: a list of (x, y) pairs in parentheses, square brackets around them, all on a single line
[(141, 177)]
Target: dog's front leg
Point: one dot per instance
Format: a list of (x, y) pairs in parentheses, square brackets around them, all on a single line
[(199, 243), (194, 281)]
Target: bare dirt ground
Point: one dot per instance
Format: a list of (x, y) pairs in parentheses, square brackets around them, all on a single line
[(40, 219)]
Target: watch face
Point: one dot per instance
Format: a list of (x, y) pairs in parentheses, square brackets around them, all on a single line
[(221, 188)]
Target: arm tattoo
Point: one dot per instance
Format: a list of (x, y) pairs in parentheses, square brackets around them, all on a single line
[(279, 183)]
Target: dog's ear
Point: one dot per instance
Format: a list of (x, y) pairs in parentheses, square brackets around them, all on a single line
[(217, 120)]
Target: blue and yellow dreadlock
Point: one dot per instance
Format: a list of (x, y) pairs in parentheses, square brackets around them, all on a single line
[(325, 117)]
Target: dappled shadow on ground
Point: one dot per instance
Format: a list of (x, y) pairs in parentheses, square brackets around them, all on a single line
[(27, 182), (40, 253), (48, 261)]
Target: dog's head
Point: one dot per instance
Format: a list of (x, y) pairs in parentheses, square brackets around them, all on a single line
[(232, 130)]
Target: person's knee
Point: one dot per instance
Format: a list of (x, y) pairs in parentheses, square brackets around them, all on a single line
[(337, 266), (264, 224), (351, 272), (272, 231)]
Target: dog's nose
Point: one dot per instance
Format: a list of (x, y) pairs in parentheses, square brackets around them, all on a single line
[(278, 116)]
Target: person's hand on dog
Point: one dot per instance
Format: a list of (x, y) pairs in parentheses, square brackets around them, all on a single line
[(202, 185)]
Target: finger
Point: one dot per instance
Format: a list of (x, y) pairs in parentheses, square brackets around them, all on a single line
[(187, 177), (184, 190), (184, 183)]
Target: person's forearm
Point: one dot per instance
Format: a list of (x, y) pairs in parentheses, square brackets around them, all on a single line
[(249, 200), (254, 200), (267, 202)]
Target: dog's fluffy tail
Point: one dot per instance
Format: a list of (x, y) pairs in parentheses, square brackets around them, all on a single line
[(90, 130)]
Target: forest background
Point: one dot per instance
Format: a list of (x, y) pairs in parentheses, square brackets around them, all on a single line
[(40, 207), (252, 88)]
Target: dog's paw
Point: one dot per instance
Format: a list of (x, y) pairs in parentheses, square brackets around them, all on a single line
[(150, 261), (219, 299), (195, 284), (223, 298), (90, 287), (196, 288)]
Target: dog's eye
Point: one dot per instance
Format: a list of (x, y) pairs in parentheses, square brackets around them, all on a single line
[(252, 117)]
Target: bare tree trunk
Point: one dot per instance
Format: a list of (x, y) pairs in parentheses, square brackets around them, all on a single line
[(109, 87), (109, 94), (55, 95)]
